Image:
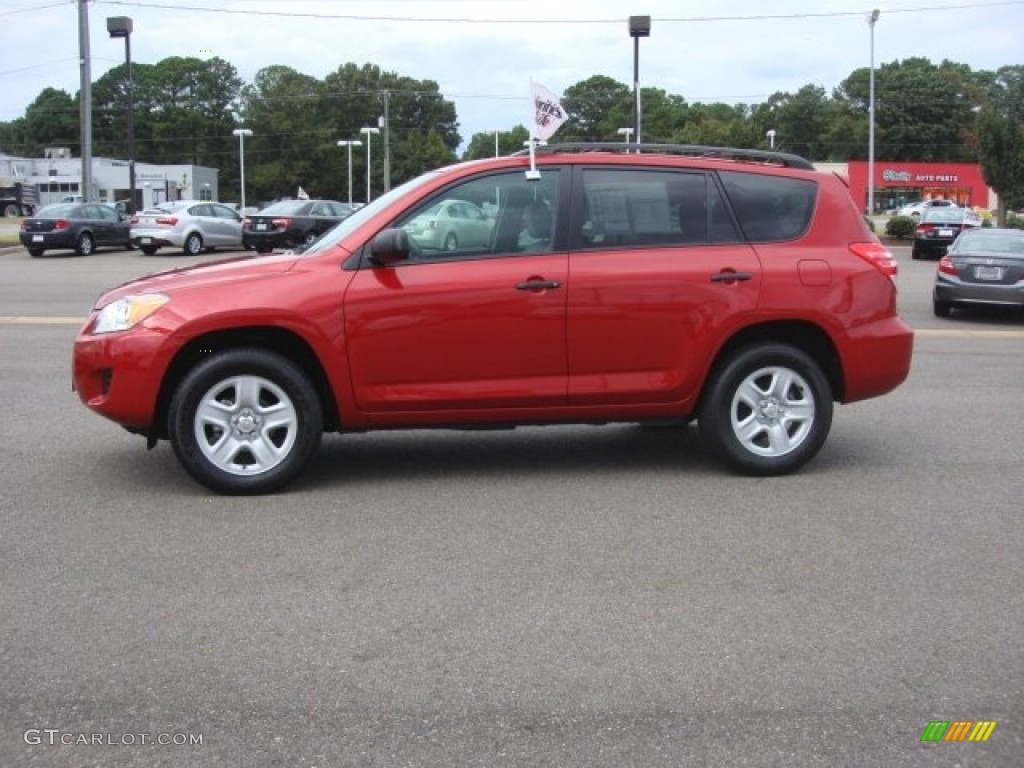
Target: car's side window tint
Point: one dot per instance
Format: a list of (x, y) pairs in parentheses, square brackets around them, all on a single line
[(639, 208), (770, 208), (492, 215)]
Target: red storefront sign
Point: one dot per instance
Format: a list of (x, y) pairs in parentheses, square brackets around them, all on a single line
[(898, 183)]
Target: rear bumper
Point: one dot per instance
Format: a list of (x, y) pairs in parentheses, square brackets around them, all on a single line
[(876, 358), (953, 289)]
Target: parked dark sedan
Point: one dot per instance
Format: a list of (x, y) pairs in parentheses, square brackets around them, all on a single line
[(291, 223), (983, 266), (81, 227), (939, 227)]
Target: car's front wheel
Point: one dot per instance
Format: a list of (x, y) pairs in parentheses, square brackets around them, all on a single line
[(451, 243), (149, 250), (941, 308), (767, 409), (245, 421)]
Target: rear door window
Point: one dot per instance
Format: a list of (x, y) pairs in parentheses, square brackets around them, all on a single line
[(641, 207)]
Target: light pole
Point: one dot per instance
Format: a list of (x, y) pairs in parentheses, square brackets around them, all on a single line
[(241, 133), (121, 26), (639, 26), (625, 133), (872, 19), (495, 131), (369, 132), (350, 143), (771, 138)]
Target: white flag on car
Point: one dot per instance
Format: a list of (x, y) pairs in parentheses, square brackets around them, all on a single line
[(548, 113), (302, 194)]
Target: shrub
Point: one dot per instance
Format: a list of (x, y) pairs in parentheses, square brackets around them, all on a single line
[(1016, 222), (900, 227)]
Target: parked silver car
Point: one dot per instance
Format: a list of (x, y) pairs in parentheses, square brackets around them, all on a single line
[(451, 224), (192, 225)]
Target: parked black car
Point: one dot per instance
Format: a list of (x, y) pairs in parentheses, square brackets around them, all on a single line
[(81, 227), (939, 227), (291, 223)]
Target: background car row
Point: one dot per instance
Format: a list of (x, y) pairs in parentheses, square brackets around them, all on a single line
[(193, 226)]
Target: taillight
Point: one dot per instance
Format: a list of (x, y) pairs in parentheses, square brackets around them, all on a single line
[(61, 224), (946, 266), (168, 221), (246, 223), (23, 223), (878, 256), (920, 229), (283, 223), (133, 220)]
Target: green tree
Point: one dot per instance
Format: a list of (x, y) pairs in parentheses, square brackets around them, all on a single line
[(50, 120), (597, 107), (1001, 138), (509, 142)]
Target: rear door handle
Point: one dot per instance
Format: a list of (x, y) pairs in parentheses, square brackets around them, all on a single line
[(728, 276), (537, 285)]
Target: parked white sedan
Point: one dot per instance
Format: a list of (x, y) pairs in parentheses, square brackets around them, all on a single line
[(916, 210), (451, 225), (192, 225)]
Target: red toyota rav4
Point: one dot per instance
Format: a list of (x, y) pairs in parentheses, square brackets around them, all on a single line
[(738, 287)]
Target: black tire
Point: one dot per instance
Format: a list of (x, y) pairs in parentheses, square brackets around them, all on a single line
[(149, 250), (270, 385), (451, 242), (915, 254), (193, 245), (795, 407), (941, 308), (36, 252), (85, 244), (263, 249), (310, 238), (11, 210)]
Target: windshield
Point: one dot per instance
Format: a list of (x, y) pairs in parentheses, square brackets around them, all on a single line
[(367, 212)]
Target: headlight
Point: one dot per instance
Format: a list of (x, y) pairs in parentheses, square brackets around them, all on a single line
[(128, 312)]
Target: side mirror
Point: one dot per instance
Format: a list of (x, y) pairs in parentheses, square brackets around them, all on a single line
[(391, 246)]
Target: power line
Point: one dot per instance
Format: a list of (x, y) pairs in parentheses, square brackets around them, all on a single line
[(249, 11)]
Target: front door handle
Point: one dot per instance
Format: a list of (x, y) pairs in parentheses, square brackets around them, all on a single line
[(537, 284), (729, 276)]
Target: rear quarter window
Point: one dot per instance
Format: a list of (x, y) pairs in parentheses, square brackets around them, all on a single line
[(770, 208)]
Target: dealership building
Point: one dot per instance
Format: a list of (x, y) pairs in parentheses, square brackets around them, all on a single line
[(57, 174)]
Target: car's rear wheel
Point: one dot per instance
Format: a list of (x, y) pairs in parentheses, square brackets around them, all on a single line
[(149, 250), (767, 409), (245, 421), (310, 238), (451, 243), (941, 308), (84, 245), (36, 252), (11, 210), (263, 249), (193, 244)]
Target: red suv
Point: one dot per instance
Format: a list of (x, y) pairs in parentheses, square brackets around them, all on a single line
[(738, 287)]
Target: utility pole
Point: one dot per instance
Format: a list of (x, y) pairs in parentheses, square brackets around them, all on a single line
[(85, 107), (386, 125)]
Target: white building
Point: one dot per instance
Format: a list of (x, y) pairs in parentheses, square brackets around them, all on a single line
[(58, 174)]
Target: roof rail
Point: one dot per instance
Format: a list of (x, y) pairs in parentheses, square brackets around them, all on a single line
[(694, 150)]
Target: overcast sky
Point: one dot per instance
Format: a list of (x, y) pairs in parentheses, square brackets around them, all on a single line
[(483, 53)]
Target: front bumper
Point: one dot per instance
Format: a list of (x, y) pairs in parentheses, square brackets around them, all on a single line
[(118, 375)]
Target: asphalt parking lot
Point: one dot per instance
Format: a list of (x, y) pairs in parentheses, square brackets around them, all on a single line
[(572, 596)]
